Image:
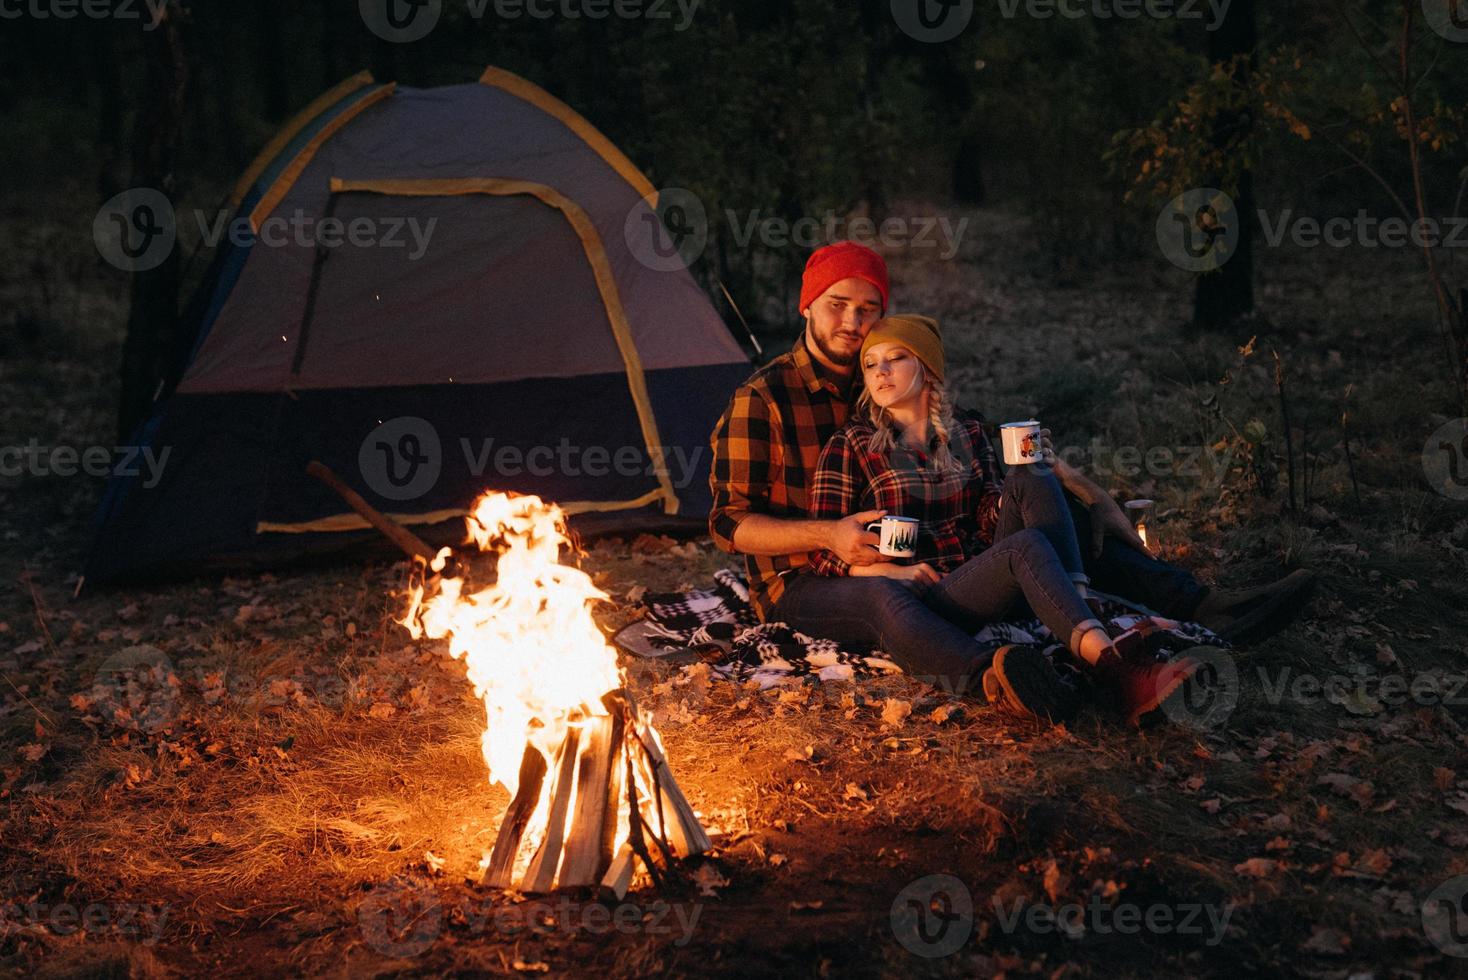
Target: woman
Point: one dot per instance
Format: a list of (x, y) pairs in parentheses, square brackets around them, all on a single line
[(983, 545)]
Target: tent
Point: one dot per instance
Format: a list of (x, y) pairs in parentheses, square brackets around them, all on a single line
[(535, 342)]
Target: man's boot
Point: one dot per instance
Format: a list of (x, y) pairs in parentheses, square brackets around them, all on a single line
[(1246, 615)]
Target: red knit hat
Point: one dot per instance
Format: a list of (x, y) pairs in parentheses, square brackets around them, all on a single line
[(843, 260)]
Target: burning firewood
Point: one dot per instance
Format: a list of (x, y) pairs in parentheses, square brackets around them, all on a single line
[(591, 790)]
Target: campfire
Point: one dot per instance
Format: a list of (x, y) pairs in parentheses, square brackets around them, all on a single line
[(591, 791)]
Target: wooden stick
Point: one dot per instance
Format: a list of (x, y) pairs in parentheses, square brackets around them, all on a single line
[(687, 835), (582, 863), (501, 870), (619, 876), (541, 875), (414, 546)]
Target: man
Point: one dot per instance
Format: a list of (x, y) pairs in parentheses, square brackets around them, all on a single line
[(766, 447)]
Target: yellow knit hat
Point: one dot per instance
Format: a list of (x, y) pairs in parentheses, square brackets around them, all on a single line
[(919, 334)]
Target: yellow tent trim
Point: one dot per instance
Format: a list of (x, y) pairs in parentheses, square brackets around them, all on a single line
[(293, 129), (354, 522), (601, 268), (292, 173), (574, 121)]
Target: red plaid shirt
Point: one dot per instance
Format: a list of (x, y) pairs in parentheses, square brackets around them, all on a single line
[(765, 451), (957, 511)]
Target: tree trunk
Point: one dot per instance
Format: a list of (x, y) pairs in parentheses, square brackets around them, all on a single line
[(108, 74), (1225, 295), (153, 322)]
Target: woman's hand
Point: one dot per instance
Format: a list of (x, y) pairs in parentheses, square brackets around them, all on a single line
[(919, 578)]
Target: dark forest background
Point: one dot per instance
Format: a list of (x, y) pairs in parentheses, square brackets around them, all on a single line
[(789, 109)]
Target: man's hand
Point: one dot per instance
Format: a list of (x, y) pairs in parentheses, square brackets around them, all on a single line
[(852, 542), (1107, 518)]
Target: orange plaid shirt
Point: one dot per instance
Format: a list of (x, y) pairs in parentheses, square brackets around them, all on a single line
[(766, 447)]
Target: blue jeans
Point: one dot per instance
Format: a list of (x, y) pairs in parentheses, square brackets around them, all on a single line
[(1035, 557)]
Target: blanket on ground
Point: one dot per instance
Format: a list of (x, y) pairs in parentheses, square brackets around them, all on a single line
[(718, 625)]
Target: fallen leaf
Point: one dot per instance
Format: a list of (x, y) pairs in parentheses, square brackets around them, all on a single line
[(1325, 941), (895, 712), (855, 792), (1376, 862), (708, 879), (1257, 867), (33, 753)]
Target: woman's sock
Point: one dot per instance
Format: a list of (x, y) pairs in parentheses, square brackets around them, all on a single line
[(1092, 643)]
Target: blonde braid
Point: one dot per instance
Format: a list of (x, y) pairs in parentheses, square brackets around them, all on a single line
[(941, 423)]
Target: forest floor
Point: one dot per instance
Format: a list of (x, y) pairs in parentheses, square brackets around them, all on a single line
[(301, 791)]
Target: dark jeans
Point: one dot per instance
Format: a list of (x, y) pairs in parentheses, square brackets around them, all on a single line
[(941, 651)]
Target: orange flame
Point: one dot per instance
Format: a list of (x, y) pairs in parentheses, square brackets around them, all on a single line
[(534, 654)]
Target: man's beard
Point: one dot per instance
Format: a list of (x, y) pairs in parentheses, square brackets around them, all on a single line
[(835, 357)]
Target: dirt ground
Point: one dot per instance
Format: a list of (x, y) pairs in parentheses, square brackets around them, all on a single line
[(287, 784)]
